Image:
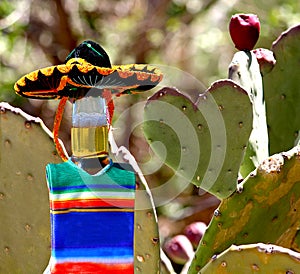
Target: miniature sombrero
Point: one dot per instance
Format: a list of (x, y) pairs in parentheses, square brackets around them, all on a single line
[(86, 72), (87, 66)]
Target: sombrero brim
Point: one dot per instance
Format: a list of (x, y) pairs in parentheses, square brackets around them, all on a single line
[(75, 80)]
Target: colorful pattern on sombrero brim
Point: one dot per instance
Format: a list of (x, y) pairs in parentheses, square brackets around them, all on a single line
[(65, 80)]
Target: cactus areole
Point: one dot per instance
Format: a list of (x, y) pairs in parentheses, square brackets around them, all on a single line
[(244, 30), (86, 72)]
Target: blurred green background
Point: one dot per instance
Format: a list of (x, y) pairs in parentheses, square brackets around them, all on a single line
[(190, 35)]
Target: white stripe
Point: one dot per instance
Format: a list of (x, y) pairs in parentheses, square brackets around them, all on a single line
[(92, 195), (118, 260)]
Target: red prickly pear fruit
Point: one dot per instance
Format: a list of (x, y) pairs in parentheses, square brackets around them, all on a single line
[(179, 249), (244, 30), (194, 232), (265, 59)]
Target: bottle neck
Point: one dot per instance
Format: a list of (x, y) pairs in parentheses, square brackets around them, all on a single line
[(89, 133)]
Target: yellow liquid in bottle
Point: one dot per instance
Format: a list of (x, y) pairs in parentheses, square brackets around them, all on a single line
[(89, 142)]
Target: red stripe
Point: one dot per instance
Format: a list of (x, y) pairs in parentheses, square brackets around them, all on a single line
[(88, 268), (92, 203)]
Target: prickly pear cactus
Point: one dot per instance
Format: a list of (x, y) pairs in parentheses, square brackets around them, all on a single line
[(265, 209), (281, 89), (204, 141), (253, 258), (244, 69), (25, 150)]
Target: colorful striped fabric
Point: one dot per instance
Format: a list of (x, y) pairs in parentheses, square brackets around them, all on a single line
[(92, 219)]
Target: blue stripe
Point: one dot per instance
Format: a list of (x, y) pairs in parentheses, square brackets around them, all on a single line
[(121, 252), (88, 187), (92, 229)]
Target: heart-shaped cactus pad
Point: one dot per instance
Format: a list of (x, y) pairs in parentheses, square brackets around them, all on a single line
[(203, 141)]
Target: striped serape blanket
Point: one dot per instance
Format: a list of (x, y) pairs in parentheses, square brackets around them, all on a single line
[(92, 219)]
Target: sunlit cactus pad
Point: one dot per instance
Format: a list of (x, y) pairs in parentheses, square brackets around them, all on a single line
[(203, 141), (265, 209), (254, 258), (25, 150)]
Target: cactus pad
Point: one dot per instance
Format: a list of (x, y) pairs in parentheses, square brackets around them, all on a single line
[(147, 246), (254, 258), (24, 205), (265, 209), (282, 95), (204, 141)]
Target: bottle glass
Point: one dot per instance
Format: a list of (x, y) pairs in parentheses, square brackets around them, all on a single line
[(89, 133)]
